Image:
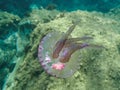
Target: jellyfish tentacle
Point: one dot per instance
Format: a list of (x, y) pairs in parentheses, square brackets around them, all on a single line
[(79, 38), (59, 45), (71, 40), (69, 31), (69, 49), (83, 45)]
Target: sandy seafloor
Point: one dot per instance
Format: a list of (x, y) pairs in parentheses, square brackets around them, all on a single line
[(99, 68)]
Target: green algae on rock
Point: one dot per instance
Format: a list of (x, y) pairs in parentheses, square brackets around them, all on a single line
[(37, 16), (8, 23)]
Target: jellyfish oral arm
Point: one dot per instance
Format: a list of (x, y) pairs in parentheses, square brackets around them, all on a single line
[(78, 39), (71, 48), (67, 52), (90, 45), (59, 45)]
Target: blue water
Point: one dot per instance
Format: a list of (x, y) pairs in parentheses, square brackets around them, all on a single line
[(10, 34), (22, 7)]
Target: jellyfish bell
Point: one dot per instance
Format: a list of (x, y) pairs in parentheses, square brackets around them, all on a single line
[(60, 55), (54, 66)]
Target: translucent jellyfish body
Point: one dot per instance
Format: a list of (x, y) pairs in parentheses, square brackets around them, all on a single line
[(53, 66)]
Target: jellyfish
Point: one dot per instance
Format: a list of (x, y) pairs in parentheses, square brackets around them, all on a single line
[(59, 54)]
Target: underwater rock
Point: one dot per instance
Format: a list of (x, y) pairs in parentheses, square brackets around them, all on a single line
[(8, 29), (8, 24), (100, 69), (13, 41), (37, 16), (7, 18), (115, 12)]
